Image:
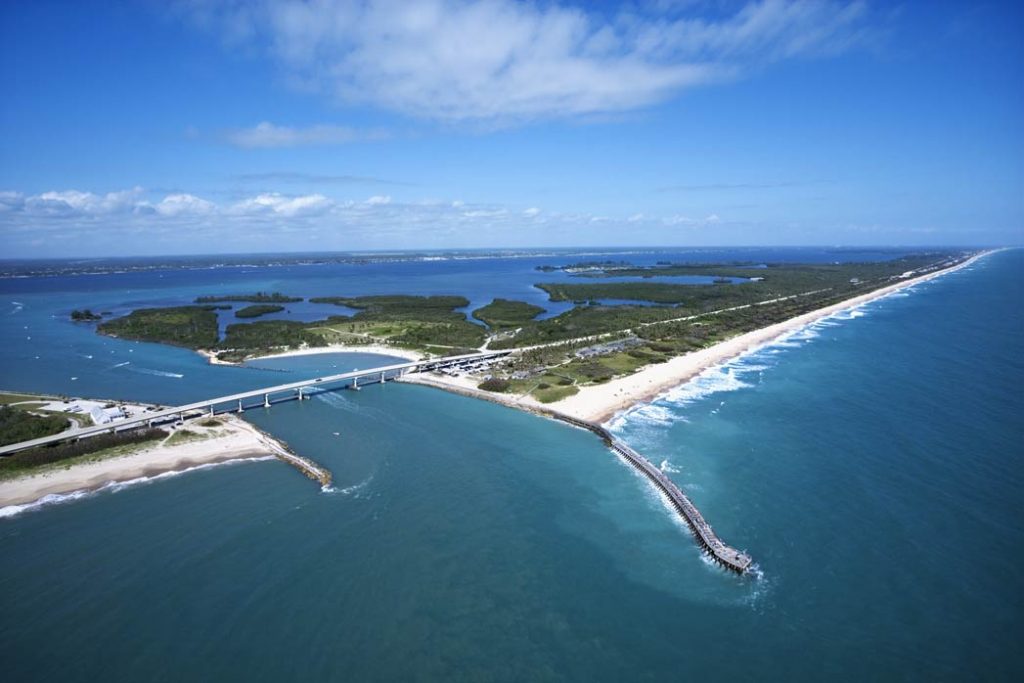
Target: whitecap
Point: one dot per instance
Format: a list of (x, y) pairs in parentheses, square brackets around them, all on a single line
[(667, 466), (114, 486)]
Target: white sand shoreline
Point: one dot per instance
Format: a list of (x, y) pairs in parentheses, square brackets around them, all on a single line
[(601, 403), (380, 349), (234, 440)]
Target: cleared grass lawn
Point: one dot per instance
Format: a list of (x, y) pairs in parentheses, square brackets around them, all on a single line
[(28, 406), (184, 436), (17, 398), (556, 393)]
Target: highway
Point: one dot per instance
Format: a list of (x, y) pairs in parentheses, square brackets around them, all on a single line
[(238, 400)]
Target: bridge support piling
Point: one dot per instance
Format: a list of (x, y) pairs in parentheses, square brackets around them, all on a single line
[(266, 400), (300, 394), (211, 410), (240, 409), (382, 378)]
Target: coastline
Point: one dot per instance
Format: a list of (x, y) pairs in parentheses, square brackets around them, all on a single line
[(602, 402), (235, 439), (379, 349)]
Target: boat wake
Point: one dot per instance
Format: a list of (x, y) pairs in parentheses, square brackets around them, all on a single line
[(157, 373)]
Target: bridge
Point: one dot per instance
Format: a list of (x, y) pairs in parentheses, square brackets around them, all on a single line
[(266, 396)]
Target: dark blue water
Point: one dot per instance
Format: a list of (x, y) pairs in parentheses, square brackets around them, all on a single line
[(871, 464)]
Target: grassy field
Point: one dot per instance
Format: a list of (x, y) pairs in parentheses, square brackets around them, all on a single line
[(184, 436), (18, 398), (411, 321)]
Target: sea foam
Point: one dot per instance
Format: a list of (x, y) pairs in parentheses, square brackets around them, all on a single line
[(114, 486)]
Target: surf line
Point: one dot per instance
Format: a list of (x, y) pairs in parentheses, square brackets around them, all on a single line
[(728, 557)]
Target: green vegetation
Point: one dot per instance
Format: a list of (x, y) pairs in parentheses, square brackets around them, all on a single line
[(495, 384), (583, 321), (17, 398), (20, 425), (85, 316), (548, 394), (72, 452), (503, 313), (257, 310), (243, 340), (412, 321), (193, 327), (773, 280), (691, 317), (257, 298), (398, 305), (184, 435)]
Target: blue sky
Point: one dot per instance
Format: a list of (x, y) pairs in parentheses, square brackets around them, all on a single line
[(205, 127)]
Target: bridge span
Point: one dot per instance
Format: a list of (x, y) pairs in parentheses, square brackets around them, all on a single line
[(266, 396)]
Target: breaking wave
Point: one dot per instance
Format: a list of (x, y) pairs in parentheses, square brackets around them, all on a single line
[(114, 486), (734, 374)]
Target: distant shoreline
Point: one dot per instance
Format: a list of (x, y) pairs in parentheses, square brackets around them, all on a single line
[(602, 402), (379, 349)]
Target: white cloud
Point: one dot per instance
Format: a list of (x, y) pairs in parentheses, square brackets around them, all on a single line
[(278, 204), (502, 60), (135, 221), (69, 202), (182, 204), (266, 134)]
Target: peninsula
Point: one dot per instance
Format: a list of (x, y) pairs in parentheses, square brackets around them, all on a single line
[(622, 341), (98, 461)]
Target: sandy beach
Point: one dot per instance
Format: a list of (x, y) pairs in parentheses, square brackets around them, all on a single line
[(234, 439), (599, 403), (381, 349)]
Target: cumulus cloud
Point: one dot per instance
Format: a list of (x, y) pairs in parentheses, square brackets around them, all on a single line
[(278, 204), (183, 204), (266, 134), (135, 220), (502, 60)]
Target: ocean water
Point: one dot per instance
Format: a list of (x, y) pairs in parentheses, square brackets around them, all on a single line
[(871, 464)]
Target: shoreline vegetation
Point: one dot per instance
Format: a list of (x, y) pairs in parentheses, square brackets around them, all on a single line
[(617, 333), (203, 441), (599, 403)]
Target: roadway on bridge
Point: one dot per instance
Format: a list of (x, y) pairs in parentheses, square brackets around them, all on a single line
[(166, 413)]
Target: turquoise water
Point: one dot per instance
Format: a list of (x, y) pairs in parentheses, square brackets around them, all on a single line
[(871, 464)]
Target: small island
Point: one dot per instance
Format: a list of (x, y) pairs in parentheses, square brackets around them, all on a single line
[(257, 310), (85, 316), (257, 298), (504, 313)]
